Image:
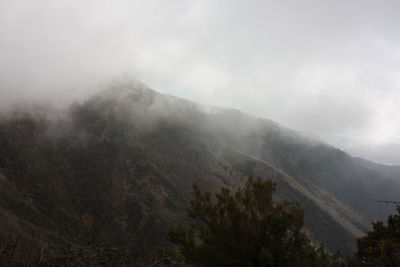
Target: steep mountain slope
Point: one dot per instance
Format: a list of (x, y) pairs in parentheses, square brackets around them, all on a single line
[(389, 171), (117, 170), (386, 154)]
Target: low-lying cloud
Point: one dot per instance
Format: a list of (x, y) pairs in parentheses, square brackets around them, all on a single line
[(317, 66)]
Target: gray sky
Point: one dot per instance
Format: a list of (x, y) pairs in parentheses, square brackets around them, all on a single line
[(322, 66)]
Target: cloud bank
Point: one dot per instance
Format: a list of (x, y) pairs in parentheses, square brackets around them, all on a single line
[(317, 66)]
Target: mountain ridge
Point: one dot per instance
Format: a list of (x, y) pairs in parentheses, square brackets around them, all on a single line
[(117, 169)]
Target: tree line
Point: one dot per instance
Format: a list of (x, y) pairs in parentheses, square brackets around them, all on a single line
[(248, 228), (243, 228)]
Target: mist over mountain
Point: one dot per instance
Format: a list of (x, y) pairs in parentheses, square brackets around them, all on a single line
[(117, 170), (94, 162), (382, 153), (313, 66)]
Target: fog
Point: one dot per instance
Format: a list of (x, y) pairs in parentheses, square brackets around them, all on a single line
[(323, 67)]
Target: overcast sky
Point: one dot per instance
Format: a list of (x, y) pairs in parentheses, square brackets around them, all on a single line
[(322, 66)]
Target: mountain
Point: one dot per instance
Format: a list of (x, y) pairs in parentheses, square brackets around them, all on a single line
[(117, 170), (390, 171), (386, 153)]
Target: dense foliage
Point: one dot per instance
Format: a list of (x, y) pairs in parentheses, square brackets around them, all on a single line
[(381, 246), (246, 228)]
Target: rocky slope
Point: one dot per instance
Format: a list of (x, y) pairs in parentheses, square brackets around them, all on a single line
[(117, 170)]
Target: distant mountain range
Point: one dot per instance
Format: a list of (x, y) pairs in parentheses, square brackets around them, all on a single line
[(387, 153), (117, 170)]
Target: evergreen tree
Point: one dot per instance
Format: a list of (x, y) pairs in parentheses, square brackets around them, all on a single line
[(381, 246), (246, 228)]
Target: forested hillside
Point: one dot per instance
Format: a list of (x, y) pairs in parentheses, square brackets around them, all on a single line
[(117, 170)]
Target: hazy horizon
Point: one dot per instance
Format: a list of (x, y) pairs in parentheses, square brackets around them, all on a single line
[(315, 66)]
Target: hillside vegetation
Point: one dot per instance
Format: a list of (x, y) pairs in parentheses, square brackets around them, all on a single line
[(116, 171)]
